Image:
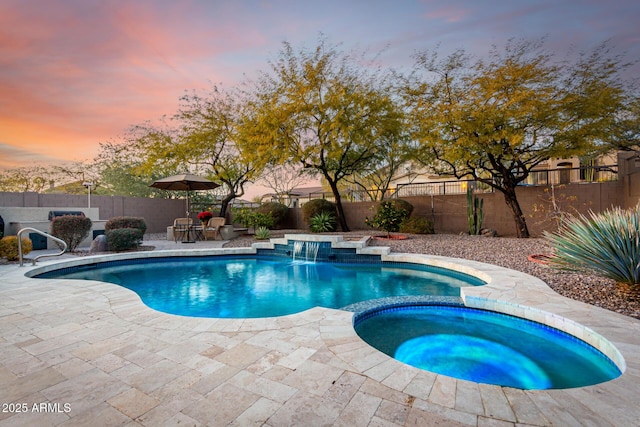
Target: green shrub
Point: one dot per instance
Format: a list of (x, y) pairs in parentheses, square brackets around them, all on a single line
[(260, 219), (402, 204), (122, 239), (607, 244), (316, 206), (388, 217), (262, 233), (323, 222), (241, 216), (252, 218), (417, 225), (278, 212), (9, 247), (126, 222), (72, 229)]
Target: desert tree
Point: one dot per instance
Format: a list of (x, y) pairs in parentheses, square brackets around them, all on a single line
[(282, 179), (392, 156), (494, 119), (323, 109), (212, 139), (120, 168)]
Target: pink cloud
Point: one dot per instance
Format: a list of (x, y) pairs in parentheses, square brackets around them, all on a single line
[(74, 73), (449, 13)]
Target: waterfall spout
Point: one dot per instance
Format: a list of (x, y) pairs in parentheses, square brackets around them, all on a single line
[(312, 251), (297, 249)]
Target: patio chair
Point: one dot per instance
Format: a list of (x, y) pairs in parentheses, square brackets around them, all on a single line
[(181, 228), (213, 228)]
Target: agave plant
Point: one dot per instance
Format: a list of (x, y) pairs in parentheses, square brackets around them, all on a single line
[(262, 233), (607, 244), (322, 222)]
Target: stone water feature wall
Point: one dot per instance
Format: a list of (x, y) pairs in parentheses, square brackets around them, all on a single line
[(322, 249)]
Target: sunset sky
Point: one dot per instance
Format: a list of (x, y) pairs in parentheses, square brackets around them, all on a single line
[(74, 73)]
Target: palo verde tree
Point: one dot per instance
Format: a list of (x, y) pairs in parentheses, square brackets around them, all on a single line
[(204, 139), (212, 135), (282, 179), (321, 109), (625, 129), (375, 180), (493, 120)]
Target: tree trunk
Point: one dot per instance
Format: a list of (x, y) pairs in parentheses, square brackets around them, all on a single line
[(224, 205), (522, 231), (340, 211)]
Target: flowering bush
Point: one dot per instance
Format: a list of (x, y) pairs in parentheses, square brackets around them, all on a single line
[(205, 216)]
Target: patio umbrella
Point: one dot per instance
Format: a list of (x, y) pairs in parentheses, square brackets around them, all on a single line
[(185, 182)]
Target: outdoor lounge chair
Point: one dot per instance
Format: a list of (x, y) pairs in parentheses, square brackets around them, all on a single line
[(213, 228), (181, 228)]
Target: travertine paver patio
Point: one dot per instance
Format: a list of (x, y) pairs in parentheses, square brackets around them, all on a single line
[(90, 353)]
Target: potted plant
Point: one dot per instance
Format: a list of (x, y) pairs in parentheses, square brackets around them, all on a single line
[(204, 217)]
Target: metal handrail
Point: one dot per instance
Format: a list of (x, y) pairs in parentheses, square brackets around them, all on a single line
[(42, 233)]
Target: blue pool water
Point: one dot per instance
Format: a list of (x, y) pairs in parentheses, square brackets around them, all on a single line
[(243, 287), (484, 347)]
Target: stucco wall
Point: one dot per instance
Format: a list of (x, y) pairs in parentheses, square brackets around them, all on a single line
[(158, 213), (450, 212)]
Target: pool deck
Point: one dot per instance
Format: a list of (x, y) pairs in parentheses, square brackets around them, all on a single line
[(78, 353)]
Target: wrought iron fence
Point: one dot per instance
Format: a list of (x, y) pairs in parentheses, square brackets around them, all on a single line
[(573, 175), (535, 178)]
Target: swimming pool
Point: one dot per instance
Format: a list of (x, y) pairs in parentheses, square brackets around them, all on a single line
[(484, 347), (259, 286)]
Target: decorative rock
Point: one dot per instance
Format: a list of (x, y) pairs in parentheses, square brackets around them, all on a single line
[(488, 232), (99, 244)]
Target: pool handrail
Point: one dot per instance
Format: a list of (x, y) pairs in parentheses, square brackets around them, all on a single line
[(42, 233)]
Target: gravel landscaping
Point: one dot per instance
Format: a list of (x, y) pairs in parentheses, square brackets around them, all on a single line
[(506, 252)]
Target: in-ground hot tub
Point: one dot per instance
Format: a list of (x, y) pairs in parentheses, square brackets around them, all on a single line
[(484, 346)]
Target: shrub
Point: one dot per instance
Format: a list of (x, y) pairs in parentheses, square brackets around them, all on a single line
[(262, 233), (403, 205), (316, 206), (388, 217), (72, 229), (607, 244), (126, 222), (278, 212), (122, 239), (9, 247), (252, 218), (417, 225), (323, 222), (262, 220), (241, 216)]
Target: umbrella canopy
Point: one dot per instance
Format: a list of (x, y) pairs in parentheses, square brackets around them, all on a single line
[(185, 182)]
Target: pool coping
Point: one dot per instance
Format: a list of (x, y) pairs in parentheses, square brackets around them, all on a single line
[(498, 279), (507, 291)]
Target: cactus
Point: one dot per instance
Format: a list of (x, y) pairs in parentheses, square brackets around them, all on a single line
[(474, 212)]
